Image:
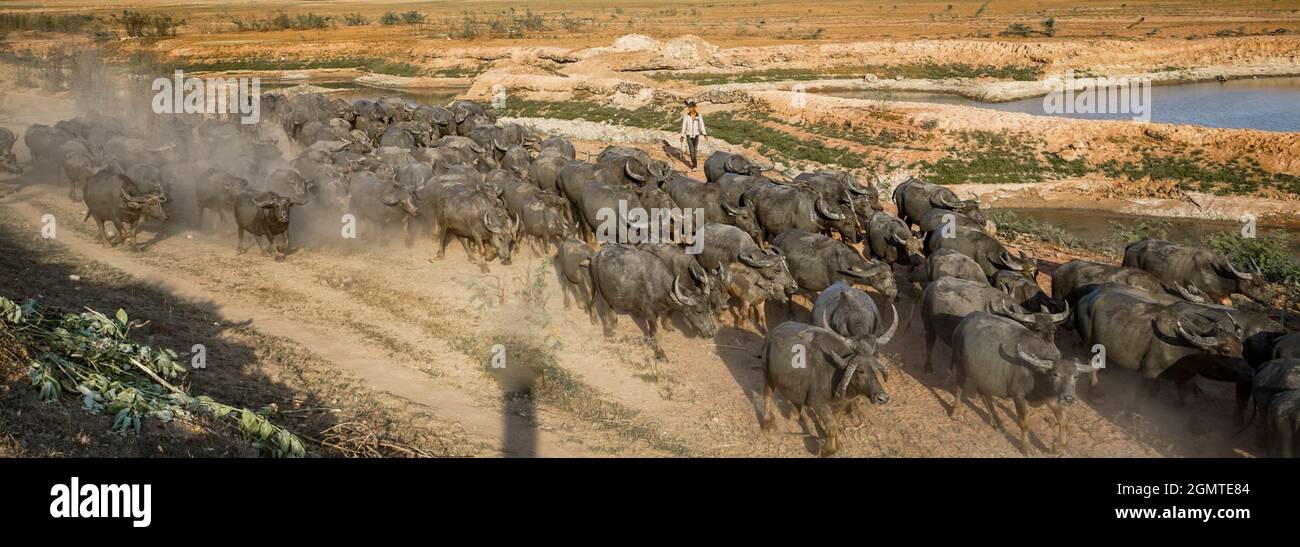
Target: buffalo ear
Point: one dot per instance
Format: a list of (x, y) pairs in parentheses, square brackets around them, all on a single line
[(1166, 324)]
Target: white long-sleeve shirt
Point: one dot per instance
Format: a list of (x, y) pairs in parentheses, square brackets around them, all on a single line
[(693, 126)]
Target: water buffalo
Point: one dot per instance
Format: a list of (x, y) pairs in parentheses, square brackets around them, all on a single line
[(1274, 377), (544, 172), (8, 161), (264, 215), (544, 217), (987, 251), (889, 239), (749, 273), (1173, 341), (937, 219), (949, 263), (1005, 359), (635, 165), (1184, 265), (113, 197), (818, 369), (1076, 278), (914, 198), (687, 267), (781, 208), (613, 213), (852, 313), (1283, 423), (638, 283), (1024, 292), (945, 302), (1287, 346), (558, 147), (574, 278), (865, 197), (219, 191), (689, 193), (45, 142), (381, 202), (78, 167), (817, 262), (478, 220), (720, 163)]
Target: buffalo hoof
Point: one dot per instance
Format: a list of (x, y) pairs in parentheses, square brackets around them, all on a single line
[(827, 450), (767, 425)]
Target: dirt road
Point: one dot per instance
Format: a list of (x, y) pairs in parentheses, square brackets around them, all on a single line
[(422, 333)]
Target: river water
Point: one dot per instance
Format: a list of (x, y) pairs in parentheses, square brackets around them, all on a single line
[(1270, 104), (1097, 227)]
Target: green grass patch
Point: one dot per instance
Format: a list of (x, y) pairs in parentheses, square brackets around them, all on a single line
[(1274, 254), (987, 157), (1241, 176), (1014, 225)]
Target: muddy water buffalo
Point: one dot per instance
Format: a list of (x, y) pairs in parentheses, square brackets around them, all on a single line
[(817, 262), (720, 163), (113, 197), (914, 198), (544, 217), (889, 239), (1274, 377), (264, 215), (865, 197), (515, 159), (558, 147), (638, 283), (852, 313), (290, 184), (781, 208), (749, 273), (44, 142), (8, 161), (78, 167), (949, 263), (1005, 359), (1076, 278), (987, 251), (688, 268), (575, 279), (380, 203), (1172, 341), (613, 213), (219, 191), (689, 193), (1185, 266), (635, 165), (544, 172), (816, 368), (944, 303), (482, 225)]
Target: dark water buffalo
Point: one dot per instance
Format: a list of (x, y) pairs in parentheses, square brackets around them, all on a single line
[(720, 163), (852, 313), (987, 251), (515, 159), (1076, 278), (45, 142), (573, 179), (949, 263), (889, 239), (1287, 346), (635, 166), (482, 225), (575, 279), (1024, 292), (816, 368), (1005, 359), (1274, 377), (264, 215), (381, 202), (689, 193), (817, 262), (781, 208), (865, 197), (749, 273), (219, 191), (78, 167), (1171, 341), (8, 161), (289, 183), (611, 212), (1283, 423), (113, 197), (914, 198), (1185, 266), (638, 283), (685, 266), (945, 302)]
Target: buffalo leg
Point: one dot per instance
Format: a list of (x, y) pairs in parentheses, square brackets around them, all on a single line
[(826, 418), (274, 246), (957, 393), (442, 237), (239, 247), (993, 412), (1022, 418), (286, 241), (482, 254), (135, 232), (103, 237), (260, 246), (769, 409), (120, 237), (651, 336), (757, 315)]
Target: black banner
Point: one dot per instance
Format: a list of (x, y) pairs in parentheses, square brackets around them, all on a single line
[(161, 496)]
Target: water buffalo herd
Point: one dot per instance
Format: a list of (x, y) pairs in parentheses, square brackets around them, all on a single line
[(456, 172)]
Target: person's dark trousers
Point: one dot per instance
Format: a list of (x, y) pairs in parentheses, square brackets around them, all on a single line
[(691, 143)]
